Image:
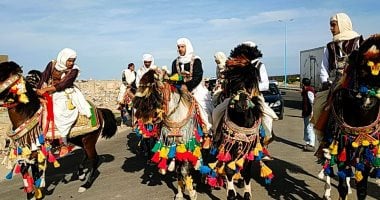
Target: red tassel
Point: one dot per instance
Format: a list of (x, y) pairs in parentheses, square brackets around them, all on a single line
[(156, 157), (51, 157), (17, 169), (220, 156), (163, 164), (343, 155), (265, 151), (227, 157), (28, 182), (43, 150), (193, 159), (250, 156)]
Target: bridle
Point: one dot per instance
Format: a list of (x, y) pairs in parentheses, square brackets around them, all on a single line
[(10, 82)]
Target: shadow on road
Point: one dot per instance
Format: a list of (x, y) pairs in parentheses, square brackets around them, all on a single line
[(293, 104), (68, 170), (285, 185), (288, 142)]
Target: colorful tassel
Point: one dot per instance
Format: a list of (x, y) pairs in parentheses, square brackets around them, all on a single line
[(250, 156), (221, 169), (204, 169), (17, 169), (197, 152), (40, 157), (181, 148), (26, 151), (343, 155), (240, 162), (38, 193), (51, 157), (56, 164), (227, 157), (156, 157), (172, 151), (9, 176), (212, 165), (163, 164), (164, 152), (232, 165), (156, 147), (334, 148), (265, 171), (171, 166), (358, 176)]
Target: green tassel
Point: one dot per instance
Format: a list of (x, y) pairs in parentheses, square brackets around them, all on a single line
[(376, 162), (156, 147), (93, 117), (333, 160)]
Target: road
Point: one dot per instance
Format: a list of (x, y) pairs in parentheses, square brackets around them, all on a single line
[(123, 175)]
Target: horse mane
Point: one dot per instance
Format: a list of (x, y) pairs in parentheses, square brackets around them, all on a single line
[(358, 70), (148, 97), (8, 69)]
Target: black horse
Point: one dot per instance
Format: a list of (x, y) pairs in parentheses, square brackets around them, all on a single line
[(351, 139), (237, 137), (33, 149)]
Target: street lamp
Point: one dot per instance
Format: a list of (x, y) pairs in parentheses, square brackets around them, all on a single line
[(285, 22)]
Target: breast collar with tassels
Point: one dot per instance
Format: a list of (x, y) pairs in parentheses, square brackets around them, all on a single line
[(7, 84), (369, 129)]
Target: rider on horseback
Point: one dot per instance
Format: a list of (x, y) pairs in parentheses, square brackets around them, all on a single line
[(57, 83)]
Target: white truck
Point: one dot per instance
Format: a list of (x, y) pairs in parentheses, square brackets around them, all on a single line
[(310, 66)]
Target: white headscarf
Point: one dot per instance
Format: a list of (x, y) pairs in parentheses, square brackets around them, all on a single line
[(345, 27), (222, 58), (189, 50), (142, 70), (250, 44), (62, 58)]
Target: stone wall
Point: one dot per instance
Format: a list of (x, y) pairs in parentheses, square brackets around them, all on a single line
[(102, 93)]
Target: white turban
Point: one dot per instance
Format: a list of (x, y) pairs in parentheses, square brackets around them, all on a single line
[(148, 57), (189, 50), (62, 58), (250, 44), (345, 27)]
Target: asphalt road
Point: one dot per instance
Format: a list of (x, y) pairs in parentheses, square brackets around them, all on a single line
[(124, 175)]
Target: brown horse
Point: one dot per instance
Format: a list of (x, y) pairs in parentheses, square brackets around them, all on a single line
[(31, 148), (351, 139)]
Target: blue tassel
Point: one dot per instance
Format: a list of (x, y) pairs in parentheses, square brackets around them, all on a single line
[(262, 131), (213, 151), (172, 151), (213, 174), (268, 181), (178, 86), (204, 169), (149, 127), (359, 166), (19, 150), (363, 89), (9, 176), (260, 156), (37, 183), (377, 173), (341, 174), (41, 138), (328, 171), (369, 155), (200, 131)]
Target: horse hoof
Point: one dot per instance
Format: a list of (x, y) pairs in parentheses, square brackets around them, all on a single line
[(193, 195), (231, 195), (82, 189), (247, 196)]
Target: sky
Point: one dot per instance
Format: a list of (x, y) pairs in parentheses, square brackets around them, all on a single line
[(109, 34)]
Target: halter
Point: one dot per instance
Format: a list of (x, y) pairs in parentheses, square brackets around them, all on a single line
[(7, 84)]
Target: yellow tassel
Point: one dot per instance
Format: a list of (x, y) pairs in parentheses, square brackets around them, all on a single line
[(358, 176), (181, 148), (212, 165), (232, 165), (240, 162), (56, 164), (236, 176), (41, 157), (355, 144), (334, 148), (189, 183), (12, 156), (221, 169), (70, 105), (265, 171), (197, 152), (38, 193), (23, 98), (258, 146), (42, 167), (164, 152), (26, 151), (365, 143), (375, 142)]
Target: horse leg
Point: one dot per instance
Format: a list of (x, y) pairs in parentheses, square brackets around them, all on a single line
[(361, 186), (181, 186), (246, 173), (231, 192), (327, 194), (185, 172), (89, 142)]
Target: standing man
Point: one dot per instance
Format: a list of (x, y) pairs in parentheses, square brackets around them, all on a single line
[(308, 94), (127, 89), (189, 66), (148, 63)]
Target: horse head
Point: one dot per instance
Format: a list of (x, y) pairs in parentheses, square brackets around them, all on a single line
[(16, 93), (242, 84), (148, 100), (361, 84)]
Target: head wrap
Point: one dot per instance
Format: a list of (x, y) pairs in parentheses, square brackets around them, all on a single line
[(222, 58), (189, 50), (250, 44), (148, 57), (345, 27), (62, 58)]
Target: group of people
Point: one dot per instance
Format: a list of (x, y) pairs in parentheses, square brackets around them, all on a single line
[(59, 76)]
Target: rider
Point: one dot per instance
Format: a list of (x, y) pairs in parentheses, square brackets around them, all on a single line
[(58, 81), (190, 67), (148, 63), (127, 87), (335, 58)]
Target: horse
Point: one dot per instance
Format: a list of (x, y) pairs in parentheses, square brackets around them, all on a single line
[(170, 117), (236, 141), (351, 139), (32, 148)]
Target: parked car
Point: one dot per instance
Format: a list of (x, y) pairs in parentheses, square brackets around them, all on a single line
[(273, 97)]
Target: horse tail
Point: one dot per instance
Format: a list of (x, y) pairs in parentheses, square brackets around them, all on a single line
[(109, 123)]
